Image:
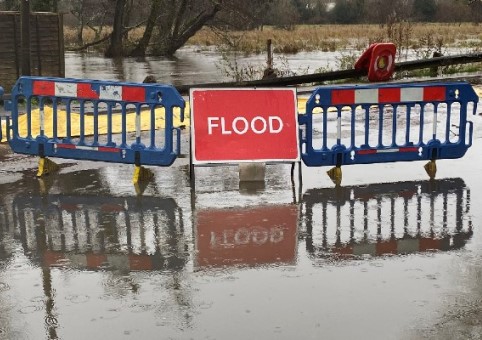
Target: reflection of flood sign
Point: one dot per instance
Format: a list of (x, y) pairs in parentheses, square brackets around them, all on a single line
[(249, 236), (239, 125)]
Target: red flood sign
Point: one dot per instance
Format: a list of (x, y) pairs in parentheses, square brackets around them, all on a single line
[(244, 125)]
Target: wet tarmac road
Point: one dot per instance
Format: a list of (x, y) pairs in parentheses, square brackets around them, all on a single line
[(390, 255)]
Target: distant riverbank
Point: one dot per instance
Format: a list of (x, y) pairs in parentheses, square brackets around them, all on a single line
[(406, 35)]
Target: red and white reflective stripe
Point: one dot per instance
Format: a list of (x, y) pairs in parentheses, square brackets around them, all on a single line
[(383, 247), (85, 91), (388, 95), (98, 261), (392, 150), (89, 148)]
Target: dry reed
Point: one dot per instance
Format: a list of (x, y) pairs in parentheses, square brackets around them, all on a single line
[(334, 37)]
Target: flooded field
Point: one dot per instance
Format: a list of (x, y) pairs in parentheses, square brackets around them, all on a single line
[(388, 255), (189, 67), (195, 66)]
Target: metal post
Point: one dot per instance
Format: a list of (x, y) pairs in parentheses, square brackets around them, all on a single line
[(269, 49), (192, 173)]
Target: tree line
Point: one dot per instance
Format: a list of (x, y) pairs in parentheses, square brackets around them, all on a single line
[(168, 24)]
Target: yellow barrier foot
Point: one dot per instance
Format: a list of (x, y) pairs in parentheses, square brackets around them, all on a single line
[(141, 178), (142, 174), (46, 166), (431, 169), (335, 175)]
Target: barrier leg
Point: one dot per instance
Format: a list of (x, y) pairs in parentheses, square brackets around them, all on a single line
[(46, 166), (335, 175), (142, 174), (431, 168)]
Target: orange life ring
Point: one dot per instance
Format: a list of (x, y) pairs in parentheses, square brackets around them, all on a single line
[(363, 63), (382, 62), (378, 61)]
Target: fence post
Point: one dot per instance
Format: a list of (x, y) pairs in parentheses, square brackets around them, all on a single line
[(25, 28)]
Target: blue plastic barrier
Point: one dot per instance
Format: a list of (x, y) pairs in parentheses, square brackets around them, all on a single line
[(386, 123), (68, 97)]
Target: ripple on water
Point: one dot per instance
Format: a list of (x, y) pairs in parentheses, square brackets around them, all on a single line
[(78, 298), (51, 321), (4, 287), (30, 309), (111, 313), (38, 299), (140, 307), (165, 322)]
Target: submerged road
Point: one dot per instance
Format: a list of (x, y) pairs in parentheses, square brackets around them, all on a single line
[(390, 255)]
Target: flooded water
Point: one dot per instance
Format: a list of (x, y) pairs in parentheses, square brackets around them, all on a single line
[(389, 255), (190, 66), (193, 65)]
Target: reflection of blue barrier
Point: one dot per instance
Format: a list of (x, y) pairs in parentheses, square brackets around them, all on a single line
[(60, 100), (386, 123), (388, 218), (101, 232)]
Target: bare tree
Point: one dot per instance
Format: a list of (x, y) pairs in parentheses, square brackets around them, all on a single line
[(77, 11), (243, 15), (283, 14), (89, 13), (180, 20), (378, 12), (11, 5), (170, 23), (476, 10), (141, 47), (116, 48), (452, 11), (176, 21)]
